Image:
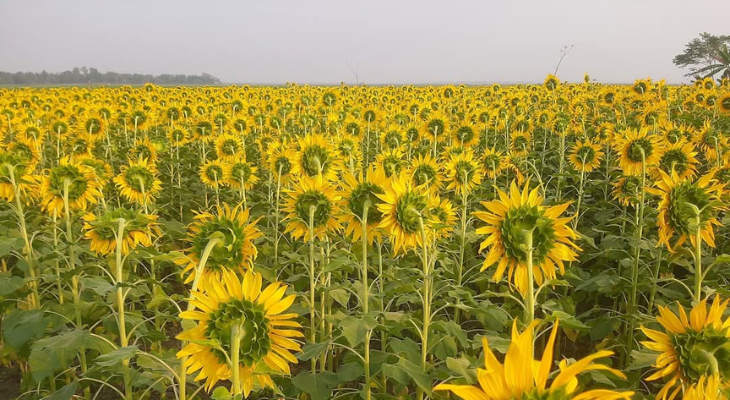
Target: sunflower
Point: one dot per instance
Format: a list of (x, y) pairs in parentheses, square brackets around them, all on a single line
[(72, 179), (585, 156), (361, 191), (315, 199), (691, 348), (492, 162), (711, 141), (26, 149), (626, 190), (229, 148), (144, 150), (16, 177), (392, 162), (348, 151), (235, 249), (552, 82), (436, 125), (93, 126), (317, 157), (463, 173), (138, 182), (706, 388), (723, 104), (510, 220), (281, 160), (178, 137), (425, 172), (465, 136), (239, 325), (680, 158), (240, 174), (684, 204), (404, 207), (441, 217), (520, 143), (522, 377), (393, 138), (635, 146), (139, 229), (212, 173)]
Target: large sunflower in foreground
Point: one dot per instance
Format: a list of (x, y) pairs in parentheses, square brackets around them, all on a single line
[(235, 234), (510, 219), (691, 347), (138, 182), (361, 192), (139, 229), (71, 179), (682, 203), (233, 315), (707, 388), (521, 377), (635, 146), (314, 198), (404, 207)]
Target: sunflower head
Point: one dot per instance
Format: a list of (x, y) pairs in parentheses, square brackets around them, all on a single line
[(312, 204), (404, 208), (226, 236), (463, 173), (585, 156), (425, 172), (16, 177), (317, 157), (237, 320), (686, 207), (138, 182), (692, 348), (391, 161), (240, 174), (638, 149), (212, 173), (135, 227), (69, 182), (229, 147), (517, 223), (361, 193), (552, 82), (723, 104)]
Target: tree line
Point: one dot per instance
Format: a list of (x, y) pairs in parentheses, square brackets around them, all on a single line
[(84, 75)]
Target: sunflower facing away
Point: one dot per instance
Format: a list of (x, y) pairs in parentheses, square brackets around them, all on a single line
[(691, 347), (317, 157), (233, 315), (426, 172), (585, 156), (463, 173), (138, 182), (632, 144), (79, 181), (314, 198), (404, 208), (212, 173), (680, 158), (15, 174), (509, 220), (682, 202), (361, 191), (235, 250), (139, 230), (521, 377)]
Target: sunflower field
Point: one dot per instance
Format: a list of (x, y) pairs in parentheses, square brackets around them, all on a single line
[(528, 242)]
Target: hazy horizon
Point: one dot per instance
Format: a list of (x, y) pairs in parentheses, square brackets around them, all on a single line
[(388, 42)]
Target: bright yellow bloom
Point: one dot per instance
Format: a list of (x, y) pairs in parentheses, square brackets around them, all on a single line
[(521, 377), (315, 199), (138, 182)]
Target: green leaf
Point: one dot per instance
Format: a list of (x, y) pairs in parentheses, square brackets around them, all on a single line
[(23, 325), (221, 393), (461, 366), (312, 350), (8, 245), (453, 329), (116, 356), (97, 284), (9, 283), (318, 386), (405, 371), (355, 329), (64, 393)]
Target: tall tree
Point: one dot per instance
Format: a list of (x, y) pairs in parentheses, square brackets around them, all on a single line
[(706, 56)]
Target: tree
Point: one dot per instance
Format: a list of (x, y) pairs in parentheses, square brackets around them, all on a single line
[(706, 56)]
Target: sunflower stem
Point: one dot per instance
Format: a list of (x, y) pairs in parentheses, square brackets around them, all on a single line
[(366, 295), (27, 246), (312, 308), (426, 301), (212, 243), (462, 245), (276, 218), (698, 259), (236, 336), (119, 277), (633, 299), (530, 301), (576, 217)]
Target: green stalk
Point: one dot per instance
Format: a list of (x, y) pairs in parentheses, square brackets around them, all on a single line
[(276, 218), (196, 281), (119, 277), (27, 247), (576, 217), (698, 259), (366, 296), (426, 269), (633, 299), (530, 301), (312, 287), (236, 336), (462, 245)]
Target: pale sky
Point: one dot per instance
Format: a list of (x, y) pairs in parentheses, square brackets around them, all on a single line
[(387, 41)]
